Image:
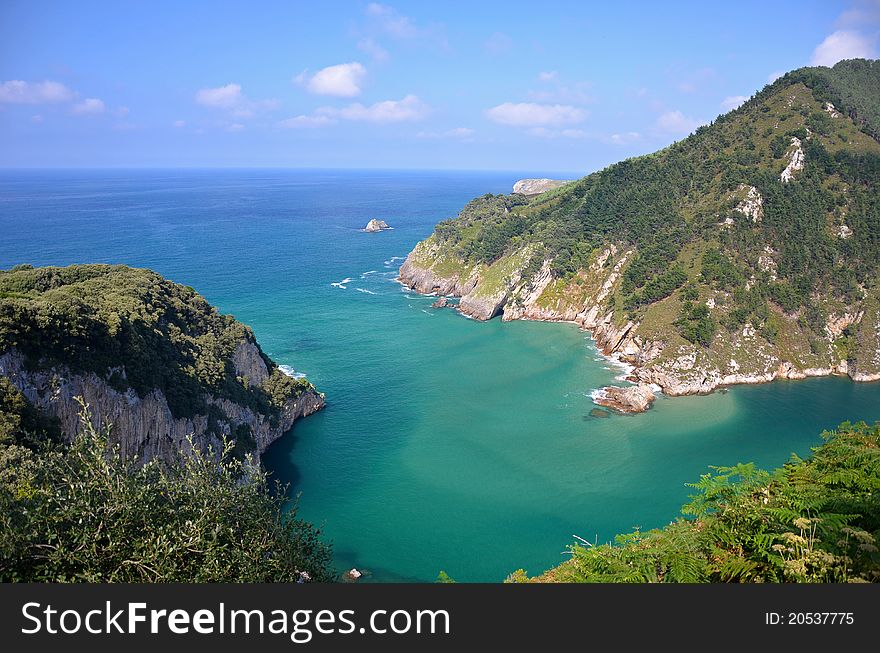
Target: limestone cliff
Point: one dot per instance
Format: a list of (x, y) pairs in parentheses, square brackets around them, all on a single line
[(151, 359)]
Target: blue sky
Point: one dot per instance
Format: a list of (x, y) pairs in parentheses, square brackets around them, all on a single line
[(552, 86)]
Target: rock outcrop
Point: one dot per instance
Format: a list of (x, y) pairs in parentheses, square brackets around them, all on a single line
[(144, 426), (536, 186), (375, 225), (628, 399)]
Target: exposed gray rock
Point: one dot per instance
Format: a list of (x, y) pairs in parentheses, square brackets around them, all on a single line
[(536, 186), (144, 427), (629, 399), (375, 225)]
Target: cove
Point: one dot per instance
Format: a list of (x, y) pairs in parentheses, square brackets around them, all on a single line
[(446, 444)]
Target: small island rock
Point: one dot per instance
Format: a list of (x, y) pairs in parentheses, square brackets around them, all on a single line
[(353, 574), (631, 399), (375, 225), (442, 302)]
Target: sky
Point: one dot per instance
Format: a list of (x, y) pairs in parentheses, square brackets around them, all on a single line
[(549, 86)]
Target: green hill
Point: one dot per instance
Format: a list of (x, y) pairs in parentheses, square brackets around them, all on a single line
[(748, 251), (130, 413)]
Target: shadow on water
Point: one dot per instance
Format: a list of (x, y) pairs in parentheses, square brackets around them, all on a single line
[(279, 462)]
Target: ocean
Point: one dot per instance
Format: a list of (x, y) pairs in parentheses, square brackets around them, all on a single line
[(446, 444)]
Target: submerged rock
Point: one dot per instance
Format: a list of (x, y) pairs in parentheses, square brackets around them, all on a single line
[(631, 399), (375, 225), (598, 412)]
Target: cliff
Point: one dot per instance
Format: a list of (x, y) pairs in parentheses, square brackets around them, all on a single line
[(745, 253), (151, 358)]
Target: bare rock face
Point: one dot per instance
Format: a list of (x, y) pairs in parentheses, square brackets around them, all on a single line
[(536, 186), (630, 399), (144, 427), (442, 302), (375, 225)]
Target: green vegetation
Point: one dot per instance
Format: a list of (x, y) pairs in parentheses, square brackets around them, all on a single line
[(82, 513), (710, 217), (814, 520), (137, 330)]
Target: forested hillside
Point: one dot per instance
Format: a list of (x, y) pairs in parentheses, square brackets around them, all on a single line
[(749, 250)]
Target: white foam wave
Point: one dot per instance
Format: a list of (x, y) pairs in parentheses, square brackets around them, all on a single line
[(341, 284), (364, 274), (289, 371), (390, 261), (369, 292)]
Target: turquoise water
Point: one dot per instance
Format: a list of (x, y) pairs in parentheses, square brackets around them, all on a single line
[(446, 443)]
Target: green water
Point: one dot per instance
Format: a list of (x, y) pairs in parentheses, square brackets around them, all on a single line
[(476, 453), (446, 443)]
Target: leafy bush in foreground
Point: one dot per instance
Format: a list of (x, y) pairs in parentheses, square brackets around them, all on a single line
[(813, 521), (84, 514)]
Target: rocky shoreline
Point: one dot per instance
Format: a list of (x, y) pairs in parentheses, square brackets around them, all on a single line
[(517, 299)]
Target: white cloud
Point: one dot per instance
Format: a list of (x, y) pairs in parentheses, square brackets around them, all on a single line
[(179, 123), (676, 123), (459, 133), (372, 48), (408, 109), (235, 127), (341, 80), (230, 98), (306, 122), (772, 77), (548, 76), (122, 111), (529, 114), (17, 91), (843, 44), (89, 106), (37, 119), (625, 138), (732, 102), (499, 43), (222, 97)]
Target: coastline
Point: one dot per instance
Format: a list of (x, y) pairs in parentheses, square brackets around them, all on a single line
[(619, 346)]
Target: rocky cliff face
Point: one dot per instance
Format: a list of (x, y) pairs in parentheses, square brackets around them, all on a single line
[(675, 366), (144, 426)]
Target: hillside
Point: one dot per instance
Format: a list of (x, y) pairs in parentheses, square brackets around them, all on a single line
[(130, 411), (149, 356), (748, 251)]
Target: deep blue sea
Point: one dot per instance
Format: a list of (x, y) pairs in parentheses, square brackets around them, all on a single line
[(446, 444)]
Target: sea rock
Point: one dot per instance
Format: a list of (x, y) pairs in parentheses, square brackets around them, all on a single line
[(598, 412), (353, 574), (630, 399), (441, 302), (375, 225), (536, 186)]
